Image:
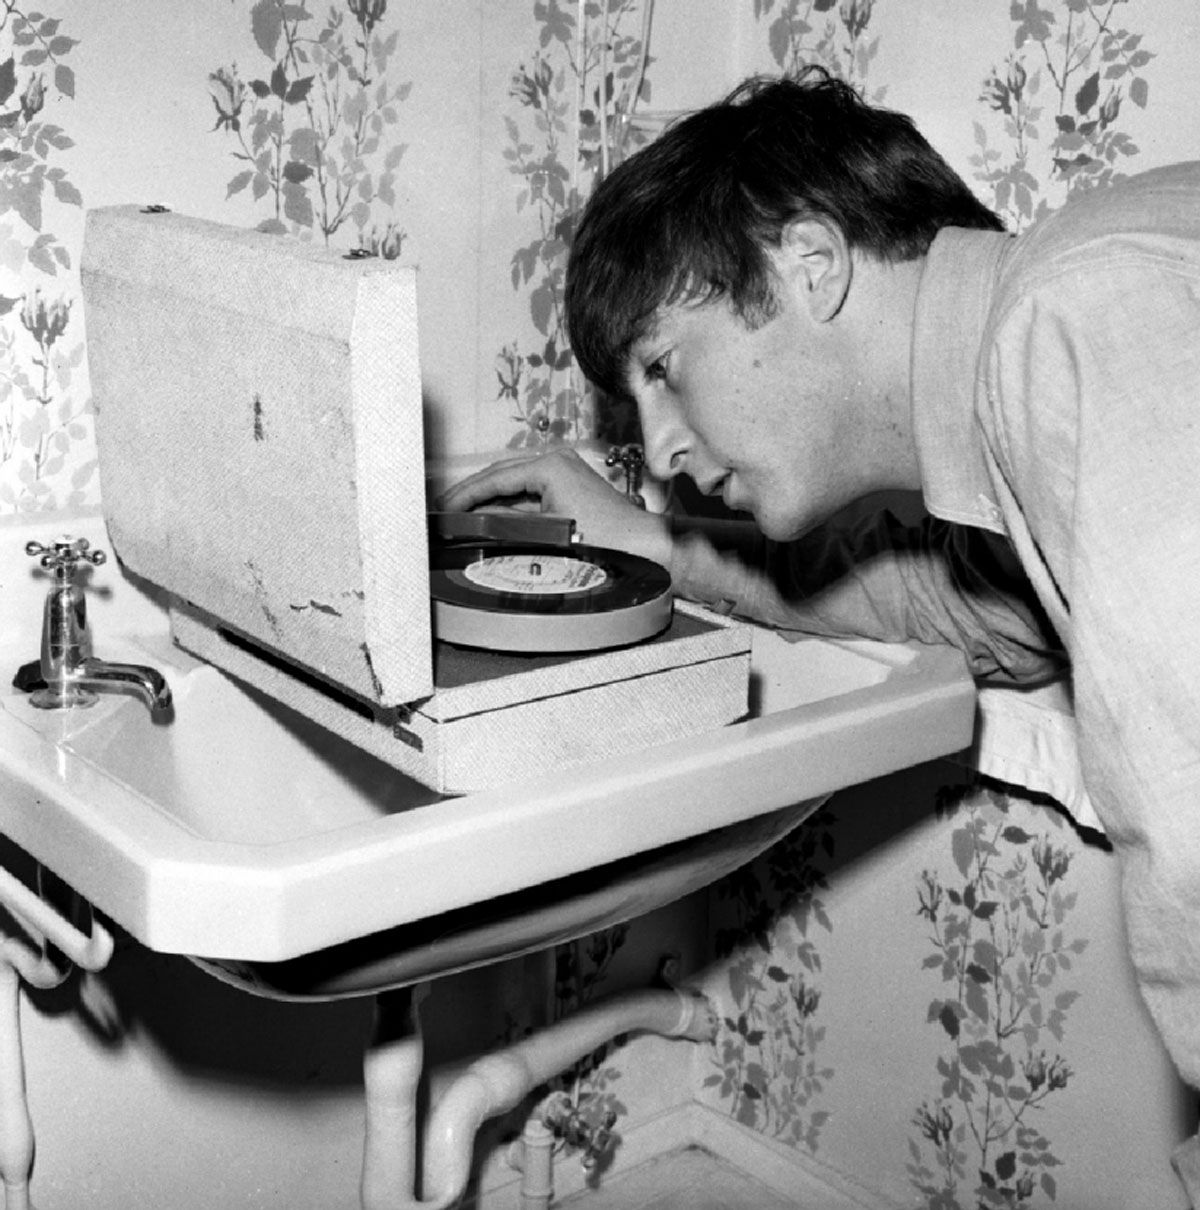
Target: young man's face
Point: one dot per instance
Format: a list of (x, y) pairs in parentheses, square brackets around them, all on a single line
[(760, 415)]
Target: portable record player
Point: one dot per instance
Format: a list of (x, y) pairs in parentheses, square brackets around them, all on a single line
[(259, 429)]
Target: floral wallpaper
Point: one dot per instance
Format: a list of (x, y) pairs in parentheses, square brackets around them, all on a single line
[(573, 96), (46, 451), (1052, 120), (768, 1067), (1001, 937), (314, 143), (836, 35), (315, 135)]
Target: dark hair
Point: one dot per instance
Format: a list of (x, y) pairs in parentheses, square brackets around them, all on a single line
[(693, 214)]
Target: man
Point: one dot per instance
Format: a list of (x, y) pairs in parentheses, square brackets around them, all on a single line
[(808, 306)]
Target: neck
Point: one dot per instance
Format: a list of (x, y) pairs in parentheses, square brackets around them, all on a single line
[(879, 314)]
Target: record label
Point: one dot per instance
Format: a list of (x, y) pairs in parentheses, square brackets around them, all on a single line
[(535, 573)]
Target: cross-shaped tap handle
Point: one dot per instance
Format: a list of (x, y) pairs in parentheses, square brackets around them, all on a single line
[(62, 556), (630, 458)]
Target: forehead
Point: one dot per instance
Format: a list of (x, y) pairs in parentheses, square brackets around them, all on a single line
[(650, 328), (670, 320)]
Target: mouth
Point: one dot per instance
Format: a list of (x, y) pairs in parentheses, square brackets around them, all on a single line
[(729, 496), (722, 487)]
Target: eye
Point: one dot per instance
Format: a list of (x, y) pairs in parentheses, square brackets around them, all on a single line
[(656, 371)]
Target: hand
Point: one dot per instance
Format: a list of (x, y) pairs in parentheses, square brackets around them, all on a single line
[(563, 483)]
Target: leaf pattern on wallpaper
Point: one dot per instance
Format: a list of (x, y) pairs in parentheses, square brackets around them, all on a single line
[(1056, 106), (46, 458), (315, 133), (768, 1066), (581, 968), (832, 33), (1000, 940), (571, 97)]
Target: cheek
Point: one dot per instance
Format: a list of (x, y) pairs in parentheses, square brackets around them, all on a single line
[(734, 406)]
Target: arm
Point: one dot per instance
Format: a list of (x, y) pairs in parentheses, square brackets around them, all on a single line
[(936, 583)]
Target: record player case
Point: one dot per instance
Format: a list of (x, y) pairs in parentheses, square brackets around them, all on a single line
[(260, 435)]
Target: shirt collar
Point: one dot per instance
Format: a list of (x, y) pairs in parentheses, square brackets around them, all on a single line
[(953, 302)]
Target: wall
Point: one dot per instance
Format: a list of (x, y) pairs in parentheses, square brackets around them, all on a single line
[(854, 1036), (927, 991)]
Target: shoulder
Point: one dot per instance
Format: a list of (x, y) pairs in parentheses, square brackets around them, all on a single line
[(1096, 308), (1147, 224)]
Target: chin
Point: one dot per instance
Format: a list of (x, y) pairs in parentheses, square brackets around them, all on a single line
[(778, 529), (785, 528), (783, 522)]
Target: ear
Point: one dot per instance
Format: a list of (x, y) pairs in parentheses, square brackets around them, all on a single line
[(815, 259)]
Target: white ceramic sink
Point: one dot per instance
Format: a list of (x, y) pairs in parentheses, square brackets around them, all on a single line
[(240, 831)]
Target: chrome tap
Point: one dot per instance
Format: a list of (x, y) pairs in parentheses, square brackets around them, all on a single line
[(72, 675), (632, 460)]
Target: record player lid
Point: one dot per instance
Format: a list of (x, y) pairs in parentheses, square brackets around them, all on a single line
[(259, 429)]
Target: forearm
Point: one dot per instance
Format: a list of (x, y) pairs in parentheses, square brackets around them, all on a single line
[(935, 583), (814, 585)]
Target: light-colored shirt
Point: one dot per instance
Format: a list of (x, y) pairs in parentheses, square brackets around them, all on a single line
[(1078, 432), (1056, 397)]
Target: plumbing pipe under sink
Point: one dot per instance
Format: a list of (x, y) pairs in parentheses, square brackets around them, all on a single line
[(489, 1086), (23, 958)]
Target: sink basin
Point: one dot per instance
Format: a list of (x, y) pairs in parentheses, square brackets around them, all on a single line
[(242, 833)]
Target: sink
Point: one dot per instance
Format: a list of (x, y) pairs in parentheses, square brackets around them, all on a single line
[(244, 835)]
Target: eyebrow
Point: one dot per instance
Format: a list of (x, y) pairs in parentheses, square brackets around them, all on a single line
[(648, 326), (633, 370)]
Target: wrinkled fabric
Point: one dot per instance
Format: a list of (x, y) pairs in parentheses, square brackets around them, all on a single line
[(1087, 403), (1026, 737)]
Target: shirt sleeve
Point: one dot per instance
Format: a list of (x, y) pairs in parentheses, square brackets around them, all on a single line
[(933, 582)]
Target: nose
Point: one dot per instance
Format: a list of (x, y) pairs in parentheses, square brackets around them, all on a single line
[(666, 439)]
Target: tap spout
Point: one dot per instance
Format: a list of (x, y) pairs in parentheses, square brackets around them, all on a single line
[(138, 679), (78, 685)]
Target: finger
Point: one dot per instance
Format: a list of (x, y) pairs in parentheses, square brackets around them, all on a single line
[(510, 505), (515, 477)]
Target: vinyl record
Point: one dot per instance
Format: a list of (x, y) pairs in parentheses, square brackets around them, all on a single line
[(544, 598)]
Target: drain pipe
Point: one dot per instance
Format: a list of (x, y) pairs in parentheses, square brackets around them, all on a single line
[(33, 961), (16, 1128), (498, 1082), (391, 1076), (533, 1156), (490, 1086)]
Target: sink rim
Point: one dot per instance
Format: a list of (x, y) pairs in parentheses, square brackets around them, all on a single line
[(179, 892)]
